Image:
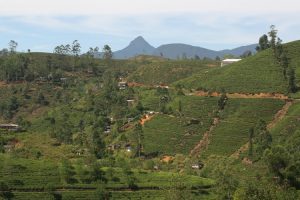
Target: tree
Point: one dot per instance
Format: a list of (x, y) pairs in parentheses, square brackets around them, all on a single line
[(251, 135), (226, 184), (98, 143), (277, 159), (12, 46), (246, 54), (107, 52), (67, 172), (4, 52), (263, 141), (291, 80), (178, 189), (75, 48), (102, 193), (273, 37), (97, 174), (255, 191), (284, 62), (140, 107), (5, 192), (41, 99), (222, 101), (139, 136), (263, 43), (179, 106)]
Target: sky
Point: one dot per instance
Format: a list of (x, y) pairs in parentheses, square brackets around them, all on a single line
[(40, 25)]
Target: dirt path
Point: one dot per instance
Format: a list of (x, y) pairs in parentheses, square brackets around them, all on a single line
[(242, 95), (203, 143), (145, 119), (277, 118), (280, 115), (3, 84)]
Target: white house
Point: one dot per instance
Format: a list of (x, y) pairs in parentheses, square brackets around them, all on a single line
[(229, 61), (10, 127)]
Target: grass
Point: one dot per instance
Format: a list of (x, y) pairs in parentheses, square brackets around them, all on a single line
[(288, 125), (168, 71), (34, 177), (92, 195), (38, 174), (237, 118), (175, 133), (258, 73)]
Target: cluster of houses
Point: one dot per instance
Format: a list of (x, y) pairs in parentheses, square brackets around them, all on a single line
[(107, 127), (122, 85), (113, 147)]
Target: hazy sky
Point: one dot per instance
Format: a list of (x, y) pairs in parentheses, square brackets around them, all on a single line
[(216, 24)]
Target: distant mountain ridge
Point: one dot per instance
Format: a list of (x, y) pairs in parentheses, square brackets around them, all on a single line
[(139, 46)]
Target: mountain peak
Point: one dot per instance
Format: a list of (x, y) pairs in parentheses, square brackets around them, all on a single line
[(139, 40), (138, 46)]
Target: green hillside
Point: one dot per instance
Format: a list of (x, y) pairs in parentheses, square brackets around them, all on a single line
[(236, 120), (258, 73), (83, 136), (166, 72)]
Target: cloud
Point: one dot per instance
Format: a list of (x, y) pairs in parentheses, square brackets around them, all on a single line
[(210, 23), (122, 7)]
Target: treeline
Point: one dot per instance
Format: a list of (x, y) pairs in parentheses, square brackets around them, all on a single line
[(280, 56), (30, 66)]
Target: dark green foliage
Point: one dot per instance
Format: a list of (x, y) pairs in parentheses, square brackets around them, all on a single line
[(284, 62), (246, 54), (9, 107), (251, 135), (138, 134), (277, 159), (273, 37), (41, 99), (263, 138), (257, 190), (97, 174), (222, 101), (284, 161), (291, 80), (107, 52), (5, 192), (226, 184), (178, 190), (99, 145), (263, 43), (67, 172), (102, 193)]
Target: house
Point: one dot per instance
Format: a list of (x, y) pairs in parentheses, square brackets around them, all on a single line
[(150, 112), (107, 129), (130, 102), (10, 127), (63, 80), (130, 119), (122, 85), (195, 166), (128, 147), (162, 86), (229, 61)]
